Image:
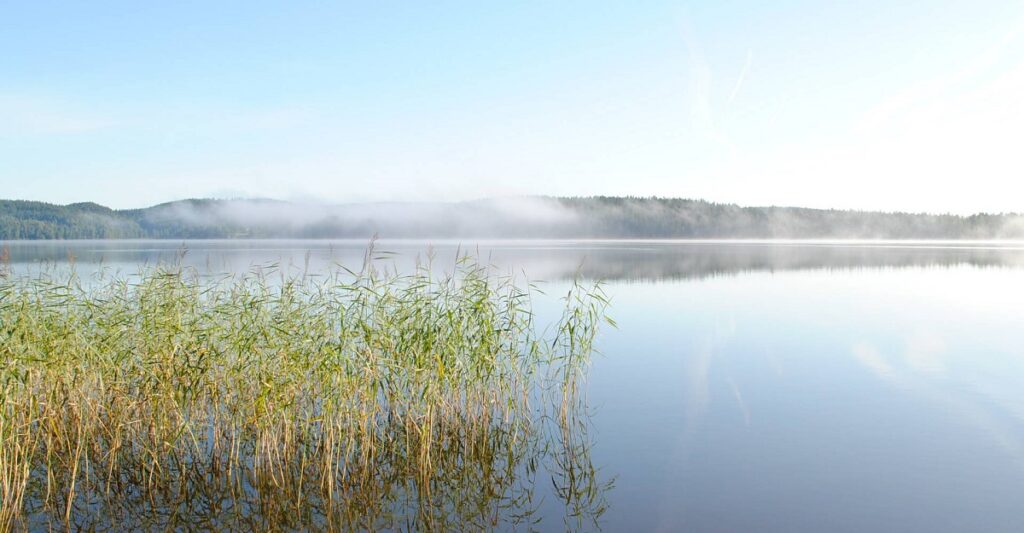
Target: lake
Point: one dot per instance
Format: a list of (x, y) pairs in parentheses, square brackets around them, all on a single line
[(750, 386)]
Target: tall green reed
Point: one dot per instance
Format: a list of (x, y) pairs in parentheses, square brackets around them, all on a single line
[(350, 400)]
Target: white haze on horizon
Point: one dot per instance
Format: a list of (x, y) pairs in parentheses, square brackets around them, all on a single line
[(535, 217), (480, 216)]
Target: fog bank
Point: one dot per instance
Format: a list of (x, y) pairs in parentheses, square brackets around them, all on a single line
[(520, 217)]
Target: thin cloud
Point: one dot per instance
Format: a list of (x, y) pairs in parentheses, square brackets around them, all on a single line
[(742, 77), (702, 108)]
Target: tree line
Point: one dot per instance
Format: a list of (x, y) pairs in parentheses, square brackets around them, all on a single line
[(575, 217)]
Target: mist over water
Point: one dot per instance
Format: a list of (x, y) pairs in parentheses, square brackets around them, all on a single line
[(552, 260), (484, 218), (497, 218), (545, 217)]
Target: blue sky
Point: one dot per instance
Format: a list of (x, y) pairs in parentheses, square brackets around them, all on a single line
[(875, 104)]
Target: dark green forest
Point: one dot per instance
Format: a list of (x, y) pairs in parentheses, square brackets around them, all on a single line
[(533, 217)]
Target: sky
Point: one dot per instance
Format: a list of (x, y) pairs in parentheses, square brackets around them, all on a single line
[(910, 105)]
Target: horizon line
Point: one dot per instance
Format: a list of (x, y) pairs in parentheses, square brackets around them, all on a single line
[(513, 197)]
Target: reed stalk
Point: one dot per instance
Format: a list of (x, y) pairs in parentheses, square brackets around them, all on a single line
[(350, 400)]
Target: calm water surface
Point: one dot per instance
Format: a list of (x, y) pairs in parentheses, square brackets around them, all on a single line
[(755, 386)]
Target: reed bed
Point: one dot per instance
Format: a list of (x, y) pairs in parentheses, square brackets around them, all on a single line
[(349, 401)]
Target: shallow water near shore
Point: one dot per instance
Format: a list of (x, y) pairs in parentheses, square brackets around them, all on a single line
[(770, 386)]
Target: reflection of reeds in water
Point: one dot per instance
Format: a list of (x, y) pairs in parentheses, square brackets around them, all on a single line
[(352, 401)]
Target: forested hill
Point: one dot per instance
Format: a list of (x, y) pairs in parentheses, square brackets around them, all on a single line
[(529, 217)]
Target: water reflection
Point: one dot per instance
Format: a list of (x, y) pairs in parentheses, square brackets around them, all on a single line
[(749, 386), (919, 370), (816, 400), (547, 260), (480, 478)]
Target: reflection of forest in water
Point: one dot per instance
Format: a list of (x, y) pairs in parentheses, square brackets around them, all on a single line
[(688, 262), (539, 260)]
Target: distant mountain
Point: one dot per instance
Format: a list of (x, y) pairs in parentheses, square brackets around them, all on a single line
[(526, 217)]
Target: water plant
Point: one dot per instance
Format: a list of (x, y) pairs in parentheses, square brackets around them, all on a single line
[(348, 400)]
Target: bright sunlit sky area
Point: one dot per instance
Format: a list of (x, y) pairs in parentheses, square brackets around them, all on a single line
[(911, 105)]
